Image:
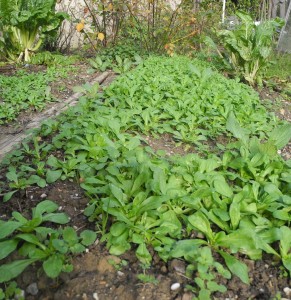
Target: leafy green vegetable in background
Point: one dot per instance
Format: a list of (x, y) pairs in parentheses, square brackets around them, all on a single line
[(249, 46), (25, 23)]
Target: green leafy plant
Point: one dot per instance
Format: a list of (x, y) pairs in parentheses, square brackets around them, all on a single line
[(27, 90), (24, 24), (39, 243), (232, 204), (11, 291), (98, 64), (249, 46), (122, 65)]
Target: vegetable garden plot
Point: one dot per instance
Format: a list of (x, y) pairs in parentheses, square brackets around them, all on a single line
[(191, 208)]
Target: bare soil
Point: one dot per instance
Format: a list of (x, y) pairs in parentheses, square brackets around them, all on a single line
[(99, 275)]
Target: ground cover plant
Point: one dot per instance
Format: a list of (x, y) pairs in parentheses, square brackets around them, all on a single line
[(208, 210), (26, 90)]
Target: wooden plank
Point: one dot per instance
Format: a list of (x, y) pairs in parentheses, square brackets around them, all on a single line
[(9, 141)]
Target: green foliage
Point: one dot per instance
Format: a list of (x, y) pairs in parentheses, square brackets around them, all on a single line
[(249, 46), (234, 203), (184, 98), (51, 59), (11, 291), (121, 58), (38, 243), (277, 74), (25, 23), (24, 91)]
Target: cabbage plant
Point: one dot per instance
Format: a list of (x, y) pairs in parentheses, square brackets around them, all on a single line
[(25, 23)]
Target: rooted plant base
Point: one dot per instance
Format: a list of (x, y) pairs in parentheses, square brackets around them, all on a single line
[(99, 273)]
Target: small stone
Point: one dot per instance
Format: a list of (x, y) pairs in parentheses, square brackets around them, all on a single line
[(200, 235), (178, 266), (84, 297), (32, 289), (21, 295), (261, 290), (95, 296), (175, 286), (187, 296), (164, 269), (287, 291), (42, 196), (119, 273)]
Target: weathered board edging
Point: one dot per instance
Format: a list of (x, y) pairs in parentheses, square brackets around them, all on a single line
[(11, 140)]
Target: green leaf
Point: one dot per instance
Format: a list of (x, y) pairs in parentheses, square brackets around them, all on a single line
[(88, 237), (143, 254), (53, 175), (30, 238), (287, 263), (77, 248), (8, 196), (214, 287), (118, 228), (234, 213), (118, 249), (7, 247), (281, 135), (200, 222), (60, 245), (12, 270), (59, 218), (237, 267), (221, 187), (285, 241), (36, 179), (234, 127), (19, 217), (70, 236), (46, 206), (117, 193), (53, 266), (6, 228)]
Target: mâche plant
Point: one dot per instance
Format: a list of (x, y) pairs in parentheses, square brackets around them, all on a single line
[(34, 242), (211, 210)]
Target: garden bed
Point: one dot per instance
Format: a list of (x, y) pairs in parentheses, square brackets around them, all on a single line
[(134, 144)]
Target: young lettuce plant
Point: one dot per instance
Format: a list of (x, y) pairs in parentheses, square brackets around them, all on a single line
[(249, 46)]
